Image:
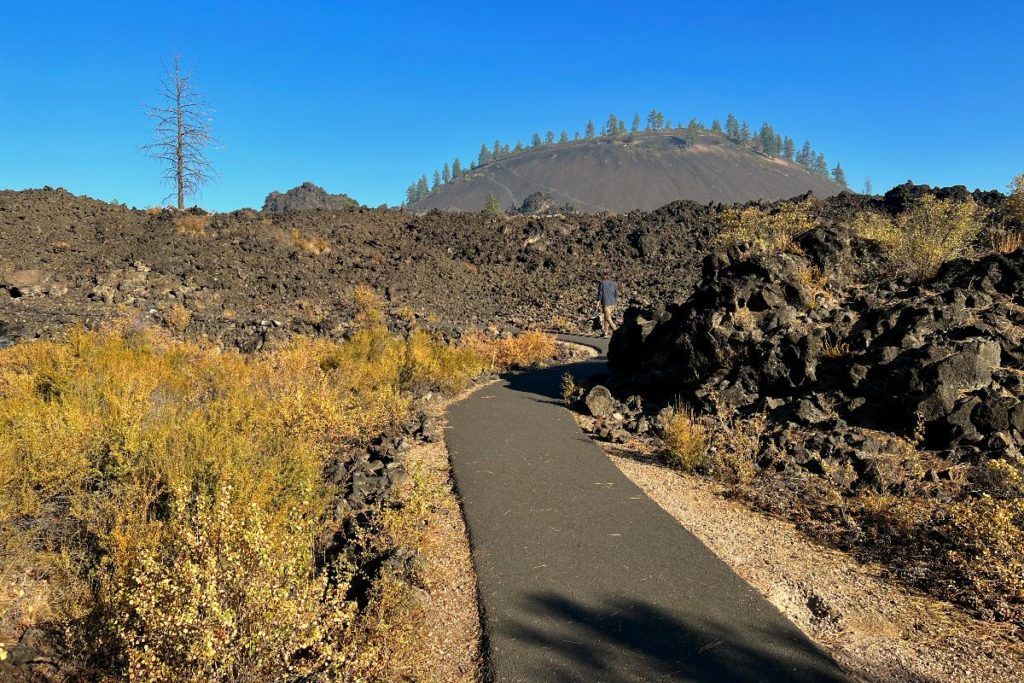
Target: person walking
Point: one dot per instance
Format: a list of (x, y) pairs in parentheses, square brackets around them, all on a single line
[(607, 297)]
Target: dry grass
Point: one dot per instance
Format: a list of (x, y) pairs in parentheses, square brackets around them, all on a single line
[(177, 317), (734, 446), (813, 281), (1006, 242), (161, 501), (772, 228), (835, 350), (191, 224), (315, 244)]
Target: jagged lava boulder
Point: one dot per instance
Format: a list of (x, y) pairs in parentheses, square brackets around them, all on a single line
[(796, 337)]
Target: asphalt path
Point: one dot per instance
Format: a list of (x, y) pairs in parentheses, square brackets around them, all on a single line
[(581, 576)]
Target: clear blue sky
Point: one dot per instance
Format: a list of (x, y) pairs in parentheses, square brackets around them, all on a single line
[(364, 97)]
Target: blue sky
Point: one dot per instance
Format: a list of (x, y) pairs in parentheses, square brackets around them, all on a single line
[(364, 97)]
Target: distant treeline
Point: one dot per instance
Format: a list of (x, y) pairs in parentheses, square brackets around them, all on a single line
[(765, 141)]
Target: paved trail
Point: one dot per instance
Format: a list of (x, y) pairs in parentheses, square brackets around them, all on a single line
[(584, 578)]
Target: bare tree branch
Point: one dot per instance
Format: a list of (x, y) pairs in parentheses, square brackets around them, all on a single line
[(182, 131)]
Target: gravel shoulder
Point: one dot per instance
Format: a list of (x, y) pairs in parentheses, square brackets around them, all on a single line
[(449, 647), (874, 629)]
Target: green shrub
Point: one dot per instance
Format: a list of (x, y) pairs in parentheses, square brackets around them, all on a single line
[(569, 388)]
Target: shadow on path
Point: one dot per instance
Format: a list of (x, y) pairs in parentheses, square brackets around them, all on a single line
[(626, 636)]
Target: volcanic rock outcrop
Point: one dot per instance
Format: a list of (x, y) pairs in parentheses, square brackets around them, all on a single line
[(840, 367), (305, 197)]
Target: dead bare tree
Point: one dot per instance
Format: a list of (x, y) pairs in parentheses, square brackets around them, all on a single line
[(182, 133)]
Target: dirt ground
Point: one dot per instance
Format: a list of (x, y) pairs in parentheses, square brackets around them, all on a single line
[(876, 630)]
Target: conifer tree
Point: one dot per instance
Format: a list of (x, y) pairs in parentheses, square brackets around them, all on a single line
[(437, 181), (868, 190), (655, 120), (732, 128), (496, 152), (838, 175), (622, 127), (788, 148), (446, 174), (820, 166), (549, 137), (576, 136), (535, 140), (456, 168), (422, 188), (744, 132), (763, 141), (410, 194), (716, 127), (611, 127), (491, 206), (805, 157), (564, 137), (485, 154), (589, 130), (692, 128), (636, 123)]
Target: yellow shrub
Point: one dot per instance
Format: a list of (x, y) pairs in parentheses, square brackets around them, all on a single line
[(987, 537), (226, 596), (877, 226), (369, 305), (930, 233), (162, 499), (519, 351), (969, 550), (686, 440), (772, 228)]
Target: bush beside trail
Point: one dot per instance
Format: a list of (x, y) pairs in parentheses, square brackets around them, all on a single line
[(172, 511)]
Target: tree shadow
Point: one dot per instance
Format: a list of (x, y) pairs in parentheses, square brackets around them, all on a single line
[(628, 641)]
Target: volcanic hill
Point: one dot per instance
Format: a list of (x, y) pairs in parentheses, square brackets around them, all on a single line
[(635, 171)]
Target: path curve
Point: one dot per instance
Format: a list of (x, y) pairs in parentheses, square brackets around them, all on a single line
[(581, 576)]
